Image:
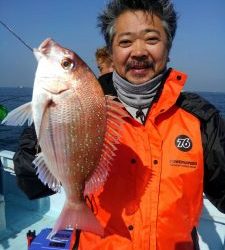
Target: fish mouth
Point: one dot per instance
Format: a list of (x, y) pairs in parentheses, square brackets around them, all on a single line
[(44, 48), (46, 42), (46, 45)]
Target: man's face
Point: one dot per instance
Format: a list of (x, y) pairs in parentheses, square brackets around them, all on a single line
[(139, 48)]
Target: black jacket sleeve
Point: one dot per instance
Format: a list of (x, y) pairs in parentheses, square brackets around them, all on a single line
[(213, 134), (25, 171), (213, 140)]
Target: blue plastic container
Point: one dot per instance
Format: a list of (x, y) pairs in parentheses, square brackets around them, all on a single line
[(60, 241)]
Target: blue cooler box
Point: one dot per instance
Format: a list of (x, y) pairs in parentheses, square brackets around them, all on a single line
[(60, 241)]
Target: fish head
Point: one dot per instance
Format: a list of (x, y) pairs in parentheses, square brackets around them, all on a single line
[(57, 67)]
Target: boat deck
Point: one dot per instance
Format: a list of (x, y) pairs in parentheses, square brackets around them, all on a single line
[(19, 221), (18, 214)]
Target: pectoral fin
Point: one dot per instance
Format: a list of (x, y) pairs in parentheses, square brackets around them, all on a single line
[(19, 116)]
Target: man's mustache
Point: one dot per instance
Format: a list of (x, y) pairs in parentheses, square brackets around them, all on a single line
[(138, 64)]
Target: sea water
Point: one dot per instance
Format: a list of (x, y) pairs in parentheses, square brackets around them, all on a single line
[(12, 98)]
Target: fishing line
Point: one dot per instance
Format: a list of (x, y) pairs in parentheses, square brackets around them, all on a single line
[(19, 38)]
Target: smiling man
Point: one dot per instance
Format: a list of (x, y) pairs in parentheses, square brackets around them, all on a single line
[(170, 145)]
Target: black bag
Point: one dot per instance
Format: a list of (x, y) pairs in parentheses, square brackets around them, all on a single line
[(25, 171)]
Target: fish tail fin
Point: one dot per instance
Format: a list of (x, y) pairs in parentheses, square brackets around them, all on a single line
[(77, 216)]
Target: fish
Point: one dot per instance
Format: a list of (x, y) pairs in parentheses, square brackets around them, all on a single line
[(77, 127)]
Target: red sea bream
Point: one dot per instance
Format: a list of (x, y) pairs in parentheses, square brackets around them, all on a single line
[(77, 128)]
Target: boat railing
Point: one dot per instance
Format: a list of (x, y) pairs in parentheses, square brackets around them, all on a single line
[(6, 157)]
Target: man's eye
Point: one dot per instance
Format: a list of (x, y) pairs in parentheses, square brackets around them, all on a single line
[(152, 40), (125, 43)]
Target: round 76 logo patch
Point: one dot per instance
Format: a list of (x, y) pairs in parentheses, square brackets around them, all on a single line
[(183, 143)]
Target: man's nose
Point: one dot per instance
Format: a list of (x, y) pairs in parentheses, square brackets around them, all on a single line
[(139, 49)]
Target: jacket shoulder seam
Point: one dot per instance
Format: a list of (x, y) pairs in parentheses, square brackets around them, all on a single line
[(196, 105)]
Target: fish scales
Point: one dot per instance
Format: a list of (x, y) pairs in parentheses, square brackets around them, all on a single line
[(82, 154)]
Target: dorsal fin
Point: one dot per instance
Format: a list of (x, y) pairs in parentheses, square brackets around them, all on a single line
[(115, 115)]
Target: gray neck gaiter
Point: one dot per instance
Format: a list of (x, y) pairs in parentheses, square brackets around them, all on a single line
[(137, 96)]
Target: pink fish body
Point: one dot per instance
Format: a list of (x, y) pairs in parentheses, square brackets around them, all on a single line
[(77, 128)]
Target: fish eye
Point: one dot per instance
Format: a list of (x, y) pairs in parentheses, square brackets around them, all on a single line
[(67, 63)]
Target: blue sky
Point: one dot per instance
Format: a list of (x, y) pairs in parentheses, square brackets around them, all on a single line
[(198, 48)]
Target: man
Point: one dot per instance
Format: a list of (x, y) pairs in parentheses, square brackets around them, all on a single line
[(172, 146), (104, 61)]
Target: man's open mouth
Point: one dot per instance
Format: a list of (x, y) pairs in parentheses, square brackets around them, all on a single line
[(138, 65)]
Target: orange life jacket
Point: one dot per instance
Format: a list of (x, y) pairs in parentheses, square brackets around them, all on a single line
[(153, 196)]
